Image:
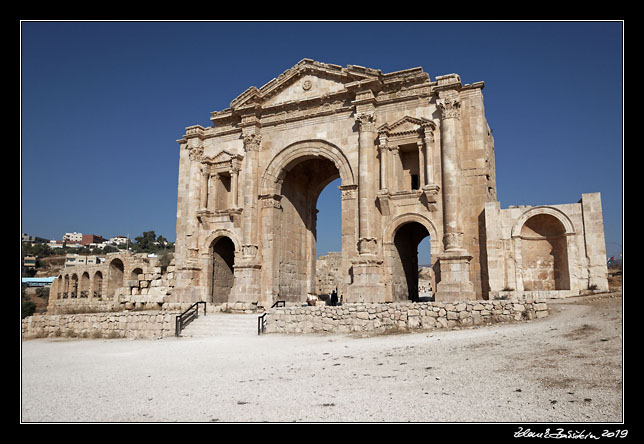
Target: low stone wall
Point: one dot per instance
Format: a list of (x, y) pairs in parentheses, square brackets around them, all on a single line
[(381, 318), (146, 324)]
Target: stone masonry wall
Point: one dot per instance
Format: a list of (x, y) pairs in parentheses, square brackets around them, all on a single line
[(328, 273), (147, 324), (380, 318)]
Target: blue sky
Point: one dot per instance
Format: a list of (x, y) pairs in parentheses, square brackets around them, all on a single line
[(103, 103)]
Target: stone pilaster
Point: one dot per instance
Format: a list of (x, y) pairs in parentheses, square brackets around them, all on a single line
[(367, 243), (454, 262), (248, 262), (367, 266)]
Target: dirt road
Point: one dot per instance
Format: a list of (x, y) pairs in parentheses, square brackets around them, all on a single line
[(566, 367)]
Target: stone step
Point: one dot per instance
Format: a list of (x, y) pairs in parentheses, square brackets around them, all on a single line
[(222, 324)]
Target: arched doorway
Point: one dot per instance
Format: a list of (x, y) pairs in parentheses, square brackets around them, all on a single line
[(84, 285), (544, 254), (222, 253), (97, 285), (291, 185), (301, 187), (406, 267)]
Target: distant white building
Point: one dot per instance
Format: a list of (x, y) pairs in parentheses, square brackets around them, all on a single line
[(73, 237), (76, 259), (119, 240)]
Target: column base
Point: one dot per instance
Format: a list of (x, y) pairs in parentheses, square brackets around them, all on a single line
[(247, 287), (455, 284)]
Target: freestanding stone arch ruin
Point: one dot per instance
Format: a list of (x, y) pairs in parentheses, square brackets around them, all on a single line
[(415, 158)]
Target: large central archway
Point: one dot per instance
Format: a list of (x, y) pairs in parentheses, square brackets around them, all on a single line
[(298, 174)]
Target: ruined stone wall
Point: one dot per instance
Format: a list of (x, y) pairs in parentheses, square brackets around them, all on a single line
[(329, 273), (379, 318), (553, 251), (147, 324), (135, 282)]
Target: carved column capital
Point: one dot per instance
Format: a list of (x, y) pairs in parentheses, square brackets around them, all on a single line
[(252, 142), (348, 192), (271, 201), (195, 153), (366, 121), (428, 136), (450, 107)]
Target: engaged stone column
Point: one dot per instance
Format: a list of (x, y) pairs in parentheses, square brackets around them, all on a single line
[(383, 167), (450, 109), (205, 177), (251, 146), (367, 266), (454, 262), (234, 179), (366, 197), (396, 168), (421, 165), (247, 268), (428, 138)]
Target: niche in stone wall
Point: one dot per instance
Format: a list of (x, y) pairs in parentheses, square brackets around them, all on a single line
[(544, 254)]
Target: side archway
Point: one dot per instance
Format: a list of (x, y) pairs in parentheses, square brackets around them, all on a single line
[(218, 257), (543, 250), (401, 240)]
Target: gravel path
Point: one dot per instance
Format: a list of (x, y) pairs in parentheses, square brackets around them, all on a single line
[(566, 367)]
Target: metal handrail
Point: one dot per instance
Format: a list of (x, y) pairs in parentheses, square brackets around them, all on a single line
[(261, 320), (187, 317)]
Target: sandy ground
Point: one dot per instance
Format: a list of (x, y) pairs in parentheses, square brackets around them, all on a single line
[(563, 368)]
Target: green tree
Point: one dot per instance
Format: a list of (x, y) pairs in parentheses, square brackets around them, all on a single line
[(145, 243)]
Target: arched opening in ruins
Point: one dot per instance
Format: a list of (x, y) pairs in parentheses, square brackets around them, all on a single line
[(412, 250), (97, 285), (222, 253), (115, 278), (84, 285), (544, 254), (303, 181), (74, 287), (66, 287)]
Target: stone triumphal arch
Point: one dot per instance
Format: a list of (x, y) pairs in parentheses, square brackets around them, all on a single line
[(415, 159)]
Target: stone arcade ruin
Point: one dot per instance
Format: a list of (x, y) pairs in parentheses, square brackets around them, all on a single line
[(415, 158)]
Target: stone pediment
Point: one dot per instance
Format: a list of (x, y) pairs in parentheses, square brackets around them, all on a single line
[(306, 80), (405, 127), (223, 158)]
